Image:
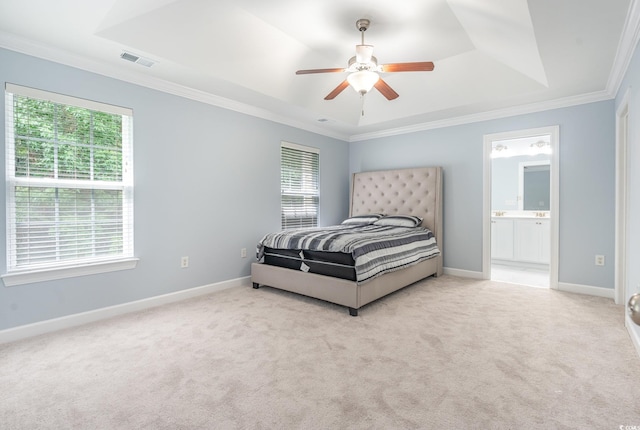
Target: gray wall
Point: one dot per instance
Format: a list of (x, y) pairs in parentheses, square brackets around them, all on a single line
[(587, 183), (207, 183)]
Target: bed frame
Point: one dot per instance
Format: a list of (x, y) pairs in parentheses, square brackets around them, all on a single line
[(416, 191)]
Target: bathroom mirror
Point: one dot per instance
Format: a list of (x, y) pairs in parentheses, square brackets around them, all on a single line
[(535, 185), (507, 183)]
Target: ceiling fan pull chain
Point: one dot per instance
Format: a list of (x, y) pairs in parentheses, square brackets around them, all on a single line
[(362, 104)]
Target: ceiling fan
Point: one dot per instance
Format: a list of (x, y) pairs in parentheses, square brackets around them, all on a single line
[(363, 70)]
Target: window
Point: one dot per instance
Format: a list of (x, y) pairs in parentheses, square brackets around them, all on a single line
[(299, 186), (69, 182)]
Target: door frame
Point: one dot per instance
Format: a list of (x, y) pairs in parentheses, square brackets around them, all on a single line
[(554, 212), (622, 200)]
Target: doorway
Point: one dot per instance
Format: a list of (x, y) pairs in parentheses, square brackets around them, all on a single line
[(521, 207)]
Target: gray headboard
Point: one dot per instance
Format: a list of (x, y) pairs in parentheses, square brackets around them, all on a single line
[(416, 191)]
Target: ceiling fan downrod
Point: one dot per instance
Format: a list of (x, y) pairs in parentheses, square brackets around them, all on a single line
[(362, 25)]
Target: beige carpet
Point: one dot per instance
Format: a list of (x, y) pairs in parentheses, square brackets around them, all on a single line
[(446, 353)]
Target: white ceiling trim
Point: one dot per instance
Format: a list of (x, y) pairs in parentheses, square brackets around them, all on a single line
[(628, 42), (63, 57), (490, 115)]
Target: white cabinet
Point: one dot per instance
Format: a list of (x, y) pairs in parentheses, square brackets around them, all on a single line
[(532, 240), (502, 239), (545, 256), (521, 240)]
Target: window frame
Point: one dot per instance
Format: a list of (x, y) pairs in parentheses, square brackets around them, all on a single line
[(16, 275), (306, 194)]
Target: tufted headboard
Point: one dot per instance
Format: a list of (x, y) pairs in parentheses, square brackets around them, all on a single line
[(416, 191)]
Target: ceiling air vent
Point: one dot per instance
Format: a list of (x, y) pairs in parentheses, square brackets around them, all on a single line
[(137, 59)]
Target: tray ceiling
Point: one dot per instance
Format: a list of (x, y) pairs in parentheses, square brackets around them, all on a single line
[(242, 54)]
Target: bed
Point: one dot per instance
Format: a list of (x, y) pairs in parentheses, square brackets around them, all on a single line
[(415, 192)]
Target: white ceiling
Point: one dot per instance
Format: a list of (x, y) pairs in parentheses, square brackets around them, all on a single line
[(492, 58)]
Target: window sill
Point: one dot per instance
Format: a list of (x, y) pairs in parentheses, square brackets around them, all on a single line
[(20, 278)]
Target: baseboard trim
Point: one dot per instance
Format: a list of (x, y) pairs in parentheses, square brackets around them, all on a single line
[(462, 273), (633, 334), (609, 293), (55, 324)]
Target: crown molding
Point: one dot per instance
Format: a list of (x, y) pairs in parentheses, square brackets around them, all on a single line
[(489, 115), (23, 46), (626, 47)]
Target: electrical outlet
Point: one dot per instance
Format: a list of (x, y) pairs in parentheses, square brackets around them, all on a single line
[(243, 253), (599, 260), (184, 262)]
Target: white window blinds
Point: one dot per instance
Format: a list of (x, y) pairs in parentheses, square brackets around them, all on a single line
[(69, 180), (299, 186)]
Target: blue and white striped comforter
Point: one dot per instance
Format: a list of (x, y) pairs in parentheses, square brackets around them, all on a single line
[(375, 249)]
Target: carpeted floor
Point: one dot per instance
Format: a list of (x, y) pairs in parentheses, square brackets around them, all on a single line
[(446, 353)]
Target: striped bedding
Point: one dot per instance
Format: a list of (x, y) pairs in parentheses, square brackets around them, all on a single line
[(375, 249)]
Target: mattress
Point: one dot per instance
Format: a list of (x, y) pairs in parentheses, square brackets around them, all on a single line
[(370, 250), (336, 264)]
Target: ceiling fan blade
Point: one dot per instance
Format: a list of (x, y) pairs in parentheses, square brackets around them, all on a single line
[(309, 71), (386, 90), (332, 95), (422, 66)]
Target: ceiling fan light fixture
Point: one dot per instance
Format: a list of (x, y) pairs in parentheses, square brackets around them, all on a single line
[(364, 53), (363, 81), (363, 70)]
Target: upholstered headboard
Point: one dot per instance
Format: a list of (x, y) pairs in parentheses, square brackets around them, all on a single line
[(416, 191)]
